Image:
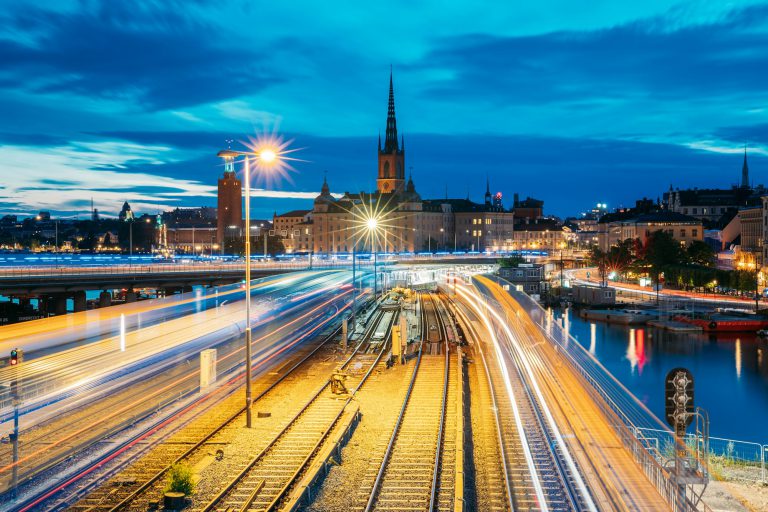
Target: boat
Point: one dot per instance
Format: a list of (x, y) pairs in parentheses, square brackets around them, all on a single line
[(726, 323)]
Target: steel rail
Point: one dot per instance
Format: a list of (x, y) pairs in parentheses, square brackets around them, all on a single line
[(291, 423), (219, 428), (372, 497), (499, 435), (440, 432)]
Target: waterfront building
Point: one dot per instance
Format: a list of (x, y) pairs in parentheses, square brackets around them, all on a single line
[(711, 205), (616, 227)]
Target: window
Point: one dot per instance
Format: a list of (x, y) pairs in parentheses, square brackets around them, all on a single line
[(694, 211), (682, 233), (694, 233), (386, 169)]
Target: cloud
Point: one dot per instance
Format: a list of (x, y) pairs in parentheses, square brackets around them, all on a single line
[(152, 55), (656, 56)]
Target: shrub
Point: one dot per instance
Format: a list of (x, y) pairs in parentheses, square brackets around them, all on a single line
[(180, 480)]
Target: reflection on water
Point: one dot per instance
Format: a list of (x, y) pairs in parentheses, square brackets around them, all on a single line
[(730, 370), (636, 350)]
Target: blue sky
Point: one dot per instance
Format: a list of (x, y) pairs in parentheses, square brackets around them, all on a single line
[(569, 102)]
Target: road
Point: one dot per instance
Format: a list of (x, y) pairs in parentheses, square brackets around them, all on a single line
[(597, 467), (579, 276)]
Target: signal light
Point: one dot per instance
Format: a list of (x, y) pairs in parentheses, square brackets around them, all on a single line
[(16, 356)]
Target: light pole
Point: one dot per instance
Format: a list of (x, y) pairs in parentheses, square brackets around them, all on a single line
[(354, 283), (442, 235), (267, 157), (372, 226), (562, 246)]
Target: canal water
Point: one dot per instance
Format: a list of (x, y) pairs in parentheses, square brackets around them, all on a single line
[(730, 370)]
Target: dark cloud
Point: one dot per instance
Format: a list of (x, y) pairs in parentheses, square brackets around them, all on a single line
[(748, 134), (646, 58), (148, 53), (31, 139)]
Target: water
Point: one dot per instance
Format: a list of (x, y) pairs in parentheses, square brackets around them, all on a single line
[(730, 371)]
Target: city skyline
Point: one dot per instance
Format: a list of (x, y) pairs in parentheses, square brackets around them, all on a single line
[(510, 100)]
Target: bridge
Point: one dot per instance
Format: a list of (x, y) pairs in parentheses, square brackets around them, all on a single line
[(54, 285)]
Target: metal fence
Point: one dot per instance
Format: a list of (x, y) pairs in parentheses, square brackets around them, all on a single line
[(743, 460)]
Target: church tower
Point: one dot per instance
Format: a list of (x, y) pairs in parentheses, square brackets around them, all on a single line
[(391, 178), (745, 171)]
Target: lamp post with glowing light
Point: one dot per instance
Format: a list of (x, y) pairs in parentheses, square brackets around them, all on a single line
[(562, 246), (372, 225), (265, 158)]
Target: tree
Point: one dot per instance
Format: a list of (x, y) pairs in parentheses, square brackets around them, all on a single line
[(700, 253), (511, 261), (599, 259), (661, 250)]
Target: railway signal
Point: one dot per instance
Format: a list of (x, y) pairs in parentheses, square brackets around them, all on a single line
[(678, 399), (17, 356)]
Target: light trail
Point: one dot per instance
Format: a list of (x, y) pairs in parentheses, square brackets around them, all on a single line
[(513, 401), (522, 357), (177, 382), (223, 389)]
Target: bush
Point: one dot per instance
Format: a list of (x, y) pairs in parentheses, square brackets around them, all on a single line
[(180, 480)]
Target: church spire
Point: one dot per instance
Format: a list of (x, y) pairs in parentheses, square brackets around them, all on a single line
[(487, 190), (745, 171), (390, 140)]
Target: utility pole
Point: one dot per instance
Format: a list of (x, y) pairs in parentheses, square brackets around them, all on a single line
[(17, 357)]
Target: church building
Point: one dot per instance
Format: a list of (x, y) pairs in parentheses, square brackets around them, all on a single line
[(403, 221)]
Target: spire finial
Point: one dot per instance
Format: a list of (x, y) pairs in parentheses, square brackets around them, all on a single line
[(745, 170), (390, 140)]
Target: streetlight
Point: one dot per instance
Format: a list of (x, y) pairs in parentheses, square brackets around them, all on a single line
[(372, 225), (265, 157), (562, 246)]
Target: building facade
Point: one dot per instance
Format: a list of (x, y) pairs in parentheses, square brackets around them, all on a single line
[(614, 228), (752, 236)]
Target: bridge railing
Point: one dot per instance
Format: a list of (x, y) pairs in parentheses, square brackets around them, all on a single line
[(630, 416), (159, 268)]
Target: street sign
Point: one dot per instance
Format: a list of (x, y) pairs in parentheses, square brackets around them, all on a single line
[(678, 398)]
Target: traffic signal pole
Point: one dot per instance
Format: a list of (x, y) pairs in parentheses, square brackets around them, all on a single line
[(17, 356)]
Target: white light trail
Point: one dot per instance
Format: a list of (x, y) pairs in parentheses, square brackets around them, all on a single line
[(547, 413), (472, 301), (122, 332)]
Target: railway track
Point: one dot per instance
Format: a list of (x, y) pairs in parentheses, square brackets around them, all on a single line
[(535, 475), (266, 481), (412, 473), (144, 476)]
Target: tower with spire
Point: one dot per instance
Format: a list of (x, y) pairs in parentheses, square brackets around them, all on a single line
[(745, 171), (391, 174), (488, 197)]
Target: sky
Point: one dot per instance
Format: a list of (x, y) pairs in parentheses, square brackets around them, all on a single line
[(568, 102)]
